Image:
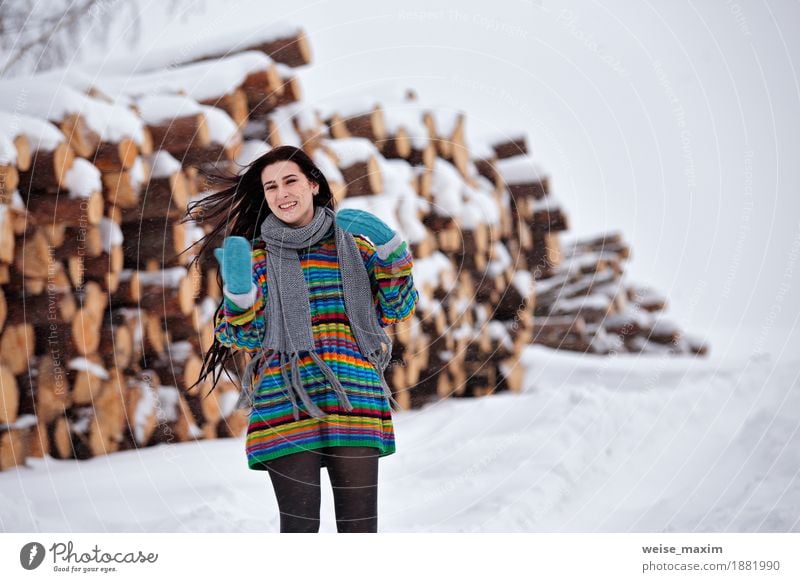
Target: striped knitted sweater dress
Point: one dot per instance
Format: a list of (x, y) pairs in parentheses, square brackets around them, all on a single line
[(272, 430)]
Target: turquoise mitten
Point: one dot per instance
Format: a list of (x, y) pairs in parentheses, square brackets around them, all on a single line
[(234, 258)]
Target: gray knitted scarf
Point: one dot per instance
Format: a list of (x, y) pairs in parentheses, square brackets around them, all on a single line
[(288, 311)]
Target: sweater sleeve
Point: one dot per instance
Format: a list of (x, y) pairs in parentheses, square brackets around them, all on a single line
[(239, 322), (389, 267)]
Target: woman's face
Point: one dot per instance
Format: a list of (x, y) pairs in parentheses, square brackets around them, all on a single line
[(289, 193)]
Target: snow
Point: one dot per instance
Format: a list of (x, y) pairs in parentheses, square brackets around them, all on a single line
[(23, 421), (619, 444), (56, 101), (347, 105), (219, 41), (192, 233), (133, 314), (207, 309), (498, 332), (282, 118), (520, 170), (168, 403), (252, 149), (138, 172), (351, 150), (501, 260), (479, 208), (85, 365), (431, 270), (8, 152), (576, 304), (110, 234), (156, 109), (41, 135), (82, 179), (407, 116), (167, 277), (200, 81), (329, 169), (221, 128), (163, 164), (146, 406), (630, 315), (524, 282), (447, 186), (445, 120)]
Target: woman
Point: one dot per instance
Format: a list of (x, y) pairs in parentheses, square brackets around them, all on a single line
[(308, 292)]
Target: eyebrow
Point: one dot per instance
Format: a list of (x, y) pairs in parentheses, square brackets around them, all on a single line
[(273, 181)]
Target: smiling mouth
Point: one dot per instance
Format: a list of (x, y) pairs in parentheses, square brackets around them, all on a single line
[(288, 206)]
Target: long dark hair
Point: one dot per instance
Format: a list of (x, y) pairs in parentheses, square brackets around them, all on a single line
[(237, 209)]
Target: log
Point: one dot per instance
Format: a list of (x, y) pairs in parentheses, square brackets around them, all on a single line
[(86, 376), (129, 290), (178, 135), (48, 209), (293, 50), (550, 220), (7, 242), (51, 388), (122, 189), (233, 103), (80, 138), (169, 291), (510, 147), (180, 367), (116, 341), (105, 269), (291, 91), (9, 396), (363, 178), (58, 305), (153, 243), (109, 427), (48, 169), (140, 408), (33, 256), (115, 157), (15, 443), (85, 241), (9, 181), (17, 347), (369, 124)]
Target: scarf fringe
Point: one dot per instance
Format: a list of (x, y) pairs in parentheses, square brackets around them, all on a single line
[(294, 386), (335, 382), (380, 359)]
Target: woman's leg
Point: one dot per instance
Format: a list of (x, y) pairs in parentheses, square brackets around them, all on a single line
[(295, 478), (353, 472)]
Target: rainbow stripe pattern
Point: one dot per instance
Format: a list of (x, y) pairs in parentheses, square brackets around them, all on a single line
[(272, 430)]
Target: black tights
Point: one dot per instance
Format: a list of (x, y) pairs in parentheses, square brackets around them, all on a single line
[(353, 472)]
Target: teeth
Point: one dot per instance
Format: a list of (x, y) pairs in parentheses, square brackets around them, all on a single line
[(285, 206)]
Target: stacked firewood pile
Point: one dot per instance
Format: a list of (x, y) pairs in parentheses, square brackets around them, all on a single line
[(103, 325)]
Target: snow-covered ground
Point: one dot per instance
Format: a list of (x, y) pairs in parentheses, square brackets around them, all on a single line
[(591, 445)]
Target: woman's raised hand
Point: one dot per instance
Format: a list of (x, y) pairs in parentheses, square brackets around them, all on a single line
[(234, 258), (362, 222)]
